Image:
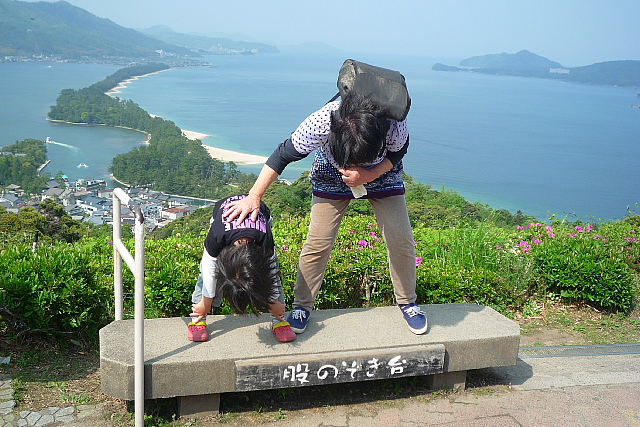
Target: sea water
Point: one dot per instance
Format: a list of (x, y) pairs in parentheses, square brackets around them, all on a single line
[(29, 89), (540, 146)]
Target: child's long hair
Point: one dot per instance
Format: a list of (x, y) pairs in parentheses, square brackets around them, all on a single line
[(246, 275)]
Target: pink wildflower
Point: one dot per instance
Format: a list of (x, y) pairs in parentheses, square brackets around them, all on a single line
[(520, 227), (526, 247), (418, 261)]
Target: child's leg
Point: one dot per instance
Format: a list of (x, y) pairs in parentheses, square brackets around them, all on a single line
[(274, 319), (196, 296)]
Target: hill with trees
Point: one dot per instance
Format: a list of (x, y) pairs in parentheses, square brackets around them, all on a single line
[(19, 164), (64, 30), (527, 64), (170, 162), (523, 60)]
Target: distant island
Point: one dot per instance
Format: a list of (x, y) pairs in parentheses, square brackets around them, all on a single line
[(527, 64)]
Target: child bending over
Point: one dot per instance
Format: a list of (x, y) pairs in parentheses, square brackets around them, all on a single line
[(239, 263)]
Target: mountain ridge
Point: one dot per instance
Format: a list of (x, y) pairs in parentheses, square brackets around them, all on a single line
[(62, 29), (205, 43)]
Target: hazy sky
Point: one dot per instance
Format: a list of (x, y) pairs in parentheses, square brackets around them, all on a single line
[(572, 32)]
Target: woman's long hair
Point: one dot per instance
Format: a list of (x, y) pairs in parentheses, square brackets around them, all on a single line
[(358, 131)]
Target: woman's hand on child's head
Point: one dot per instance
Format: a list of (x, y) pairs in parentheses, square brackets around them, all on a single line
[(277, 309), (241, 209)]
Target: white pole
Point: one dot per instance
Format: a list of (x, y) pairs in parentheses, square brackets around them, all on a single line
[(120, 252), (139, 320), (117, 259)]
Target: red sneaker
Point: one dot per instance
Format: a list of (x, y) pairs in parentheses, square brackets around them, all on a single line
[(283, 332), (198, 331)]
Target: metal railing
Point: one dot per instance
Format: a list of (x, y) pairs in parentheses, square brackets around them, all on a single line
[(136, 265)]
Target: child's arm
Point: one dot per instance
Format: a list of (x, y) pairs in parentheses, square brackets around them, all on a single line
[(277, 309), (201, 309)]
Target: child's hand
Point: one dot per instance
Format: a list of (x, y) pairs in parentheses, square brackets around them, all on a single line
[(278, 310), (200, 311)]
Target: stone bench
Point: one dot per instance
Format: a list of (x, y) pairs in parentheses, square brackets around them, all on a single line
[(338, 346)]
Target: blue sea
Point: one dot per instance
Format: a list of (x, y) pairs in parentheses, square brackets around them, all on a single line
[(540, 146), (29, 89)]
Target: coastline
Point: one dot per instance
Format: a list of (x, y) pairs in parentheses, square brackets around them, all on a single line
[(102, 124), (225, 155), (123, 84), (215, 153)]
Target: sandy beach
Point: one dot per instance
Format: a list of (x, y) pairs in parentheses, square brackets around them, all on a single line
[(216, 153), (124, 83), (226, 155)]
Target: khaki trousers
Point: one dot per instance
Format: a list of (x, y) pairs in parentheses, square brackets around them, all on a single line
[(326, 216)]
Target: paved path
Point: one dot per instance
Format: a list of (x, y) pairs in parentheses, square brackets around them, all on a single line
[(9, 417), (580, 391)]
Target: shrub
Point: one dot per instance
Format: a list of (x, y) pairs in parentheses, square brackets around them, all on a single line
[(469, 265), (53, 291), (586, 266), (171, 271)]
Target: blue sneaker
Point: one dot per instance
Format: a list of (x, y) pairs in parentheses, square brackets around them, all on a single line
[(415, 318), (298, 319)]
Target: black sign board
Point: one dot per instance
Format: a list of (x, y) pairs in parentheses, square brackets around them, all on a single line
[(338, 367)]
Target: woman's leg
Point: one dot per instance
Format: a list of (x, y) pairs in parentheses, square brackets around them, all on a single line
[(326, 216), (393, 220)]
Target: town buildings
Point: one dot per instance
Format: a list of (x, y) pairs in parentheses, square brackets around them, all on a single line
[(90, 200)]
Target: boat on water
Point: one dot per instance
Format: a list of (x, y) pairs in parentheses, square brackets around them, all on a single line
[(82, 165), (48, 139)]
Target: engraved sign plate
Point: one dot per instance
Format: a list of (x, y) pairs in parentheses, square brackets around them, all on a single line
[(338, 367)]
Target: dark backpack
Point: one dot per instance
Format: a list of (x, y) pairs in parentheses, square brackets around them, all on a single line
[(386, 88)]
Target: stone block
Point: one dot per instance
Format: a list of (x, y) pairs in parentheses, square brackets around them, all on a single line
[(473, 337)]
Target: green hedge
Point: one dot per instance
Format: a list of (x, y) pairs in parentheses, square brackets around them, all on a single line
[(54, 290), (586, 266), (68, 288)]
